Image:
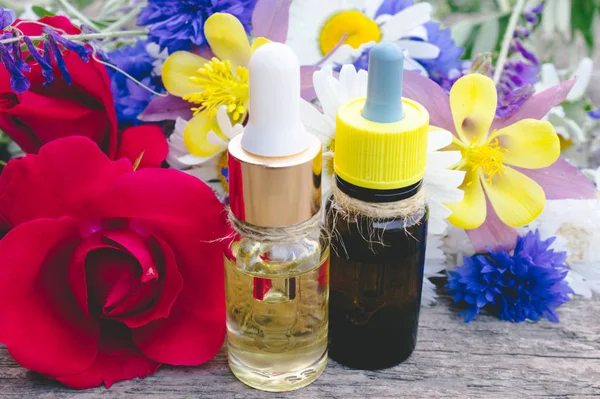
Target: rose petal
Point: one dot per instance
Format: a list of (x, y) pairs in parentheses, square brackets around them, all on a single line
[(61, 180), (270, 19), (186, 338), (431, 96), (191, 221), (118, 359), (493, 234), (76, 269), (166, 108), (165, 294), (146, 143), (49, 118), (562, 180), (39, 317), (538, 105)]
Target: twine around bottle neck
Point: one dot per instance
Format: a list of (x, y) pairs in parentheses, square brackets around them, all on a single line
[(277, 234), (401, 209)]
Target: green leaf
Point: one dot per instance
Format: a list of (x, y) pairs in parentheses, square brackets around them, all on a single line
[(464, 6), (42, 12), (468, 54), (488, 38), (582, 19)]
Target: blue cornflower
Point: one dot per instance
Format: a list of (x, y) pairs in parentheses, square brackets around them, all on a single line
[(130, 98), (529, 284), (449, 58), (177, 24)]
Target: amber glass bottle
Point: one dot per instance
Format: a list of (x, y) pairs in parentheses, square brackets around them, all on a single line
[(375, 287), (377, 217)]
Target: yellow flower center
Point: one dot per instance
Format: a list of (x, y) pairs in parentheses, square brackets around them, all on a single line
[(220, 86), (358, 28), (487, 157)]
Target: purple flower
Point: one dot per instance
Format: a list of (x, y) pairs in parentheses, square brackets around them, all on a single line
[(51, 46), (537, 9), (529, 284), (18, 81), (528, 55), (595, 114), (42, 61), (7, 17), (449, 58), (17, 55), (82, 51), (393, 7), (130, 98), (179, 24), (516, 86)]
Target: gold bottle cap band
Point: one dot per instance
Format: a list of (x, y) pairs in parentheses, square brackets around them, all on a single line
[(275, 191)]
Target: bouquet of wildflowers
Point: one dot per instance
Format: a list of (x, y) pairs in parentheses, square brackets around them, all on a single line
[(115, 118)]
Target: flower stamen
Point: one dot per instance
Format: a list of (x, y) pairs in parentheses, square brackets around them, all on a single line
[(487, 157), (220, 86)]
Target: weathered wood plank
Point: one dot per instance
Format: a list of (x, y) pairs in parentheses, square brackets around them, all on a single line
[(486, 358)]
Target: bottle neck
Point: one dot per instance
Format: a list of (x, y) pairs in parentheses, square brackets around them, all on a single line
[(378, 196)]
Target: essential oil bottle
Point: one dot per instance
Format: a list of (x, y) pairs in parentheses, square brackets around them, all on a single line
[(276, 267), (378, 219)]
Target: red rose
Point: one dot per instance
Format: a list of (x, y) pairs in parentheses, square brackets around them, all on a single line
[(107, 273), (42, 114), (84, 108)]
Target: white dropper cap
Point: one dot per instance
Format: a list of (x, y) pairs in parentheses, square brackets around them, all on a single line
[(274, 127)]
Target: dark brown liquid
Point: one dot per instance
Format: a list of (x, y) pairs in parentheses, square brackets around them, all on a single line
[(376, 278)]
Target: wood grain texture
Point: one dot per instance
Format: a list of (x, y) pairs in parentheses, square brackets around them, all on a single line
[(487, 358)]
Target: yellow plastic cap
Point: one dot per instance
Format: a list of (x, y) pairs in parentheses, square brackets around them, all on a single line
[(381, 156)]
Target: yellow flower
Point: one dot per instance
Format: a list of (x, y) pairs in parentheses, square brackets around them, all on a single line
[(212, 84), (489, 158)]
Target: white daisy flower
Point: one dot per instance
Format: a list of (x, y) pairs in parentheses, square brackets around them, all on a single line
[(576, 226), (160, 56), (213, 171), (456, 246), (570, 127), (316, 27), (434, 267)]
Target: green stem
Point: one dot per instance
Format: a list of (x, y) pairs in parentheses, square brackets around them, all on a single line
[(508, 36), (84, 36), (504, 6), (124, 19), (74, 12)]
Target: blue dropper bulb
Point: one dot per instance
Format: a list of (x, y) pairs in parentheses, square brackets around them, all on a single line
[(384, 90)]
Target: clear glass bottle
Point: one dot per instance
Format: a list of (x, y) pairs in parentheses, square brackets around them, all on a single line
[(277, 311), (277, 286)]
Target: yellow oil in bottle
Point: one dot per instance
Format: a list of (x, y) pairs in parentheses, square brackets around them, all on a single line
[(277, 324)]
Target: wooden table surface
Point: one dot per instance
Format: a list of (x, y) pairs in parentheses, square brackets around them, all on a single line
[(487, 358)]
